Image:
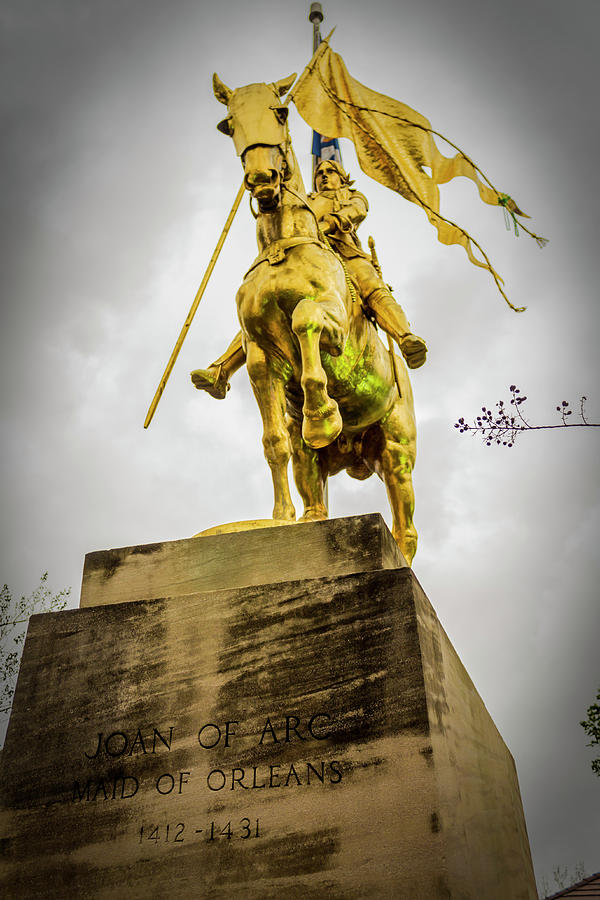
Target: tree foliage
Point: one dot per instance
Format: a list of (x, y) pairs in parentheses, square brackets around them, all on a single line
[(591, 726), (14, 616), (503, 425)]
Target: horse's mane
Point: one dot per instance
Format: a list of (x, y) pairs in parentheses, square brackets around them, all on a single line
[(296, 182)]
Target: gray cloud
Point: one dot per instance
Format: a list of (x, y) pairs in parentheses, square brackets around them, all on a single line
[(115, 187)]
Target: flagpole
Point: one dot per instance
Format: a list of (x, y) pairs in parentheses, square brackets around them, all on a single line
[(308, 67), (316, 17)]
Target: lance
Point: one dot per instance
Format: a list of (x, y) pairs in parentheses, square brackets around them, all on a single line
[(194, 307)]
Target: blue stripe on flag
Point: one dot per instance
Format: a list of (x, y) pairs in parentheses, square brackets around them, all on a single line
[(326, 148)]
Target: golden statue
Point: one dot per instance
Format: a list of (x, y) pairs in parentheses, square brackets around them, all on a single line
[(339, 210), (330, 396)]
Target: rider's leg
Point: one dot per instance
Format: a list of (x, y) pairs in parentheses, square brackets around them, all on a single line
[(215, 379), (388, 314)]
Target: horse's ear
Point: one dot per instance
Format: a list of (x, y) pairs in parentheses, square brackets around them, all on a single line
[(222, 92), (284, 84), (225, 127), (281, 113)]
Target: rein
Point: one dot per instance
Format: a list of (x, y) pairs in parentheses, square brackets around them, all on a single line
[(324, 239), (349, 282)]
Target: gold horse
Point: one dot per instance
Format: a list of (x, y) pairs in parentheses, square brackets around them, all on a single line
[(322, 378)]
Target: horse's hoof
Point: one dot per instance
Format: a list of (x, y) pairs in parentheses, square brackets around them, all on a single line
[(321, 431), (407, 543), (314, 514), (284, 513)]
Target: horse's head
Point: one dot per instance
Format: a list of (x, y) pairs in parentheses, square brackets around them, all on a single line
[(257, 122)]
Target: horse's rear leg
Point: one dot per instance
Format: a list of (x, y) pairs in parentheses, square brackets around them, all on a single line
[(308, 475), (402, 501), (269, 392), (397, 462), (322, 421)]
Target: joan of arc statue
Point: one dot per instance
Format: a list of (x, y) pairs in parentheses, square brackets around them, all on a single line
[(339, 210)]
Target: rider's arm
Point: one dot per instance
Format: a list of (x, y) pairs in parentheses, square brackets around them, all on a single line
[(351, 213)]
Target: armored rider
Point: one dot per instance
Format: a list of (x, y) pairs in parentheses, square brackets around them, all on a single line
[(339, 210)]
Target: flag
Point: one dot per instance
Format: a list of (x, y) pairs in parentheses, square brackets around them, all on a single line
[(325, 148), (394, 145)]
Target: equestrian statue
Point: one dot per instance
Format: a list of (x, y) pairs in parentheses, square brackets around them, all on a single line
[(330, 394)]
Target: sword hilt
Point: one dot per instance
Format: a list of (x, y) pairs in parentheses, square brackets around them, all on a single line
[(374, 258)]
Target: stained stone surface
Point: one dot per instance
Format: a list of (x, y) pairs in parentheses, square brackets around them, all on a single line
[(263, 556), (304, 739)]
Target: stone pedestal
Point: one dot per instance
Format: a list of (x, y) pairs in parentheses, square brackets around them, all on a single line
[(240, 559), (315, 737)]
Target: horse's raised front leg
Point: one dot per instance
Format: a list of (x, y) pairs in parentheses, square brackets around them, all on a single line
[(268, 389), (397, 462), (322, 421), (308, 475)]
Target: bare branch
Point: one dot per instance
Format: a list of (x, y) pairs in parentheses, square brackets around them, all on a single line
[(502, 427)]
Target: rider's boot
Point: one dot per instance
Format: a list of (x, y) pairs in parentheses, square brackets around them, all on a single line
[(390, 316), (215, 379)]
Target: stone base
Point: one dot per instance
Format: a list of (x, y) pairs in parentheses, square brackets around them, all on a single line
[(310, 738), (239, 559)]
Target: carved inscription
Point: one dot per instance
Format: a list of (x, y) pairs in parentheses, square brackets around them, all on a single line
[(123, 787), (109, 745), (243, 829), (118, 743), (273, 776)]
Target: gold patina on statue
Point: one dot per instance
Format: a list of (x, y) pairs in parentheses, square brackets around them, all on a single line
[(330, 394), (339, 211), (245, 525)]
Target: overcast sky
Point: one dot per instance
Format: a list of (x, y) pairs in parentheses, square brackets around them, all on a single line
[(115, 187)]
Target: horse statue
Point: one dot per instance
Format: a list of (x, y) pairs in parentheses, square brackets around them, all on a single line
[(323, 380)]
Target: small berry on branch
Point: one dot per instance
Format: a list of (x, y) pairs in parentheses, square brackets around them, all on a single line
[(501, 428)]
